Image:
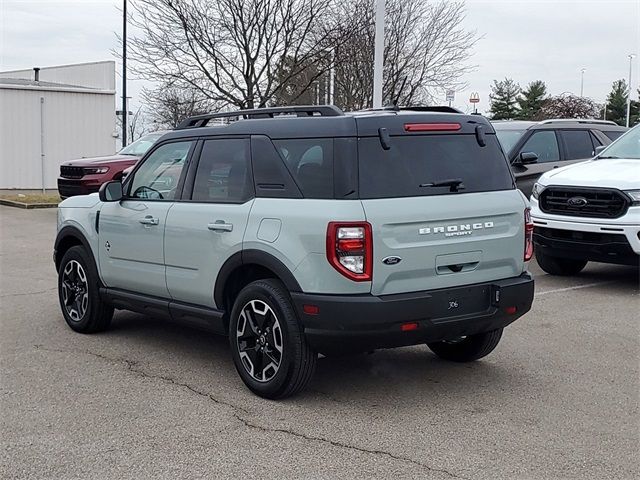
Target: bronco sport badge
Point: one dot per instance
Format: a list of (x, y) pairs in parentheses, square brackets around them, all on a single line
[(456, 230)]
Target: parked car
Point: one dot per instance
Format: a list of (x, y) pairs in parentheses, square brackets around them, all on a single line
[(305, 230), (85, 175), (590, 211), (534, 148)]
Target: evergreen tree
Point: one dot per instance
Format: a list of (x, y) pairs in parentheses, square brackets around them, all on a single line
[(504, 101), (530, 100), (617, 102)]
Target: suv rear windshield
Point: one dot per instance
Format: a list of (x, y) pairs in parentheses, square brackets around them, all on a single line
[(418, 160)]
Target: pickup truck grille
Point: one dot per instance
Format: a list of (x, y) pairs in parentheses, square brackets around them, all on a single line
[(584, 202), (71, 172)]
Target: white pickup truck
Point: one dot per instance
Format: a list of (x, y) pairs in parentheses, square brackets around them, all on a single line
[(590, 211)]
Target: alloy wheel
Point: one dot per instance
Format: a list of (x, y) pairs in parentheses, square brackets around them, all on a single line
[(75, 290), (259, 340)]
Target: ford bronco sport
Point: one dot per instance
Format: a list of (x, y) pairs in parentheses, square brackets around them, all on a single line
[(304, 230)]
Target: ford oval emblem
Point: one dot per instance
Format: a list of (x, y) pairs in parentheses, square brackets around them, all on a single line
[(391, 260), (577, 201)]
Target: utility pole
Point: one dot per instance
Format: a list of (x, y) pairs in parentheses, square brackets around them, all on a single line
[(631, 55), (378, 57), (124, 73), (582, 81)]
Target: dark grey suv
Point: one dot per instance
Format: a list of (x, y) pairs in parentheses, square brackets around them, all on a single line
[(534, 148)]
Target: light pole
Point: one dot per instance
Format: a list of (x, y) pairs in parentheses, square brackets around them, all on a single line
[(124, 73), (582, 81), (631, 55), (378, 57)]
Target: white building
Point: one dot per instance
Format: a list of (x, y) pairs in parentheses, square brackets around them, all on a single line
[(52, 115)]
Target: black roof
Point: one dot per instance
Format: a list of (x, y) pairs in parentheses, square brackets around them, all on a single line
[(322, 121)]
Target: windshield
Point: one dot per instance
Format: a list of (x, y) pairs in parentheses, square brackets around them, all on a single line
[(508, 138), (627, 146), (140, 146)]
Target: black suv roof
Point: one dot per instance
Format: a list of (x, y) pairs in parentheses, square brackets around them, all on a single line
[(322, 121)]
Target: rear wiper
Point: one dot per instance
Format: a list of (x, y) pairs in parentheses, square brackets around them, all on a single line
[(455, 184)]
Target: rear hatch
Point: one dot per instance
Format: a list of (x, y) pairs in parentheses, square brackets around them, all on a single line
[(439, 195)]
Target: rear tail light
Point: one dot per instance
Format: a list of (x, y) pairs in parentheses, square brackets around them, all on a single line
[(528, 235), (350, 249)]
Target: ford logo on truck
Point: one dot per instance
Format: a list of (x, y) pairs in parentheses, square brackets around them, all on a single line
[(456, 230), (577, 202)]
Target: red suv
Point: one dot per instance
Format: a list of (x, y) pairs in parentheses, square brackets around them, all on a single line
[(85, 175)]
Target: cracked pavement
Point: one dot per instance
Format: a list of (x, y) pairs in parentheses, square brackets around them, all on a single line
[(152, 399)]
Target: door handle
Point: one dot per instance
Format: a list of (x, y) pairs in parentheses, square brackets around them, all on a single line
[(220, 226), (149, 220)]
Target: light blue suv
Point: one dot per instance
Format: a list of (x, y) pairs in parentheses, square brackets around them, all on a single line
[(304, 230)]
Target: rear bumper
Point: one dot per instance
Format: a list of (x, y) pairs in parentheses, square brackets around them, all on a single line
[(366, 322)]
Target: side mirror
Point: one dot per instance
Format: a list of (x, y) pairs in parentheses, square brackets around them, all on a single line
[(599, 150), (126, 172), (526, 158), (110, 191)]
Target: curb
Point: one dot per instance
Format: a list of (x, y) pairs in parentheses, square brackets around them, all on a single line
[(29, 206)]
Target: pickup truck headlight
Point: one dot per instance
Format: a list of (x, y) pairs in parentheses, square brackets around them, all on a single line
[(94, 170), (634, 195), (537, 190)]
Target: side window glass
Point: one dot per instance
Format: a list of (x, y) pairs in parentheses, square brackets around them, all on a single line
[(595, 140), (224, 172), (310, 161), (157, 178), (544, 144), (578, 144)]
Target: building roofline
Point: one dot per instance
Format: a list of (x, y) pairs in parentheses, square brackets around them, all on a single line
[(59, 66), (40, 88)]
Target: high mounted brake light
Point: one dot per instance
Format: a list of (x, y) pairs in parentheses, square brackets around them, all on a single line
[(350, 249), (432, 127)]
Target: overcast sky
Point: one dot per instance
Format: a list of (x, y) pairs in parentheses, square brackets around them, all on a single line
[(526, 40)]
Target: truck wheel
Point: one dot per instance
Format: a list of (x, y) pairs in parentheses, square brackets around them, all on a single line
[(79, 293), (559, 266), (268, 346), (467, 349)]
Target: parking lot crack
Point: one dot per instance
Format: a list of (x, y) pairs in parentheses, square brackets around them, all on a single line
[(241, 414), (133, 367), (339, 444)]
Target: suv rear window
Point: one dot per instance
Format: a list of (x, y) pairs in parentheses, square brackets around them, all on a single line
[(422, 159)]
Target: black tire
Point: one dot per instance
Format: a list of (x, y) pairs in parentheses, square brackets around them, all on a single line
[(559, 266), (296, 360), (469, 348), (94, 315)]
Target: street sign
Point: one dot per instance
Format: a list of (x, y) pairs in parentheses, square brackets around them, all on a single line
[(451, 95), (475, 98)]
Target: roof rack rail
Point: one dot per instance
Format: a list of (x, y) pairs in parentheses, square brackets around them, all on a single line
[(433, 108), (271, 112), (577, 120)]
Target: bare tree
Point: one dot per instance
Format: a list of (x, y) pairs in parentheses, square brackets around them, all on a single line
[(169, 104), (568, 105), (230, 51), (137, 125), (426, 48)]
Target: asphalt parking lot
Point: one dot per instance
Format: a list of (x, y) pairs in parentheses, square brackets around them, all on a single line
[(150, 399)]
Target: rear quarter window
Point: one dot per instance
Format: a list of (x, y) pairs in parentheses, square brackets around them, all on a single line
[(310, 162), (422, 159), (612, 134)]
